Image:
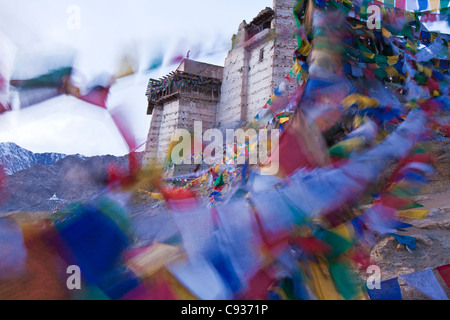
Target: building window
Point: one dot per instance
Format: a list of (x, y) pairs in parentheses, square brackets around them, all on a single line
[(261, 55)]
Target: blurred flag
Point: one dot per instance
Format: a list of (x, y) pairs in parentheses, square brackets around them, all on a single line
[(41, 88), (98, 96), (7, 54), (98, 91), (127, 67), (156, 62), (299, 147)]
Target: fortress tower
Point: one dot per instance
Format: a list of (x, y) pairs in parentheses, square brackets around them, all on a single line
[(261, 56), (189, 94)]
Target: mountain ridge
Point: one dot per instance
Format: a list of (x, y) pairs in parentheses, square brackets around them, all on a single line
[(71, 178), (14, 158)]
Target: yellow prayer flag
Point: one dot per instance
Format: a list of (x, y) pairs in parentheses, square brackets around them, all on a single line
[(410, 45), (361, 100), (345, 231), (385, 33), (152, 194), (433, 36), (391, 72), (357, 121), (413, 214), (305, 49), (153, 259), (391, 60), (297, 68), (126, 68), (419, 67), (434, 5), (321, 282), (357, 26), (156, 195), (369, 55)]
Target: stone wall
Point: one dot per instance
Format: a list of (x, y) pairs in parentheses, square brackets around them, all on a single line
[(177, 114), (260, 75), (151, 148), (232, 99), (285, 43), (197, 110), (256, 66)]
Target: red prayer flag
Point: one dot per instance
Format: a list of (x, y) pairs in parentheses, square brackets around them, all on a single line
[(298, 148), (97, 96), (444, 271), (4, 108)]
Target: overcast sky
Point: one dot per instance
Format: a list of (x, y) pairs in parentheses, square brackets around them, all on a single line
[(95, 34)]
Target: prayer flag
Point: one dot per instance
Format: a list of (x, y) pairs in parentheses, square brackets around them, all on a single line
[(425, 282)]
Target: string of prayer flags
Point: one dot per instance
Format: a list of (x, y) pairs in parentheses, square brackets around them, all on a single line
[(292, 230), (43, 87), (425, 282)]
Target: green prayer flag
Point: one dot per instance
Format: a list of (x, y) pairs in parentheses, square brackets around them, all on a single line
[(345, 279)]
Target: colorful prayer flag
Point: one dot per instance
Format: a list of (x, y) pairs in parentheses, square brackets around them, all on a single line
[(425, 281)]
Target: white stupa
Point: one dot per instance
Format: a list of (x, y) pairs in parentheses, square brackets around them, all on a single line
[(54, 202), (54, 198)]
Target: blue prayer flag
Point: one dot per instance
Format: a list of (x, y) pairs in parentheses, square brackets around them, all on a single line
[(389, 290)]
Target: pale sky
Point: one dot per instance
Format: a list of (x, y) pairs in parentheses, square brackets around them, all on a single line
[(95, 34)]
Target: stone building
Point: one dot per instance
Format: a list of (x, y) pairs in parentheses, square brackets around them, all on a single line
[(224, 97), (191, 93)]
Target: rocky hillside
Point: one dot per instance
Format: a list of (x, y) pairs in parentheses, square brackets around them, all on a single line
[(72, 178)]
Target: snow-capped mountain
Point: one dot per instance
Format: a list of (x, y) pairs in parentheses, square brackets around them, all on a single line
[(15, 158), (73, 178)]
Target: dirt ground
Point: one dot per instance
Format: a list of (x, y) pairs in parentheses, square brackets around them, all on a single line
[(432, 233), (433, 245)]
